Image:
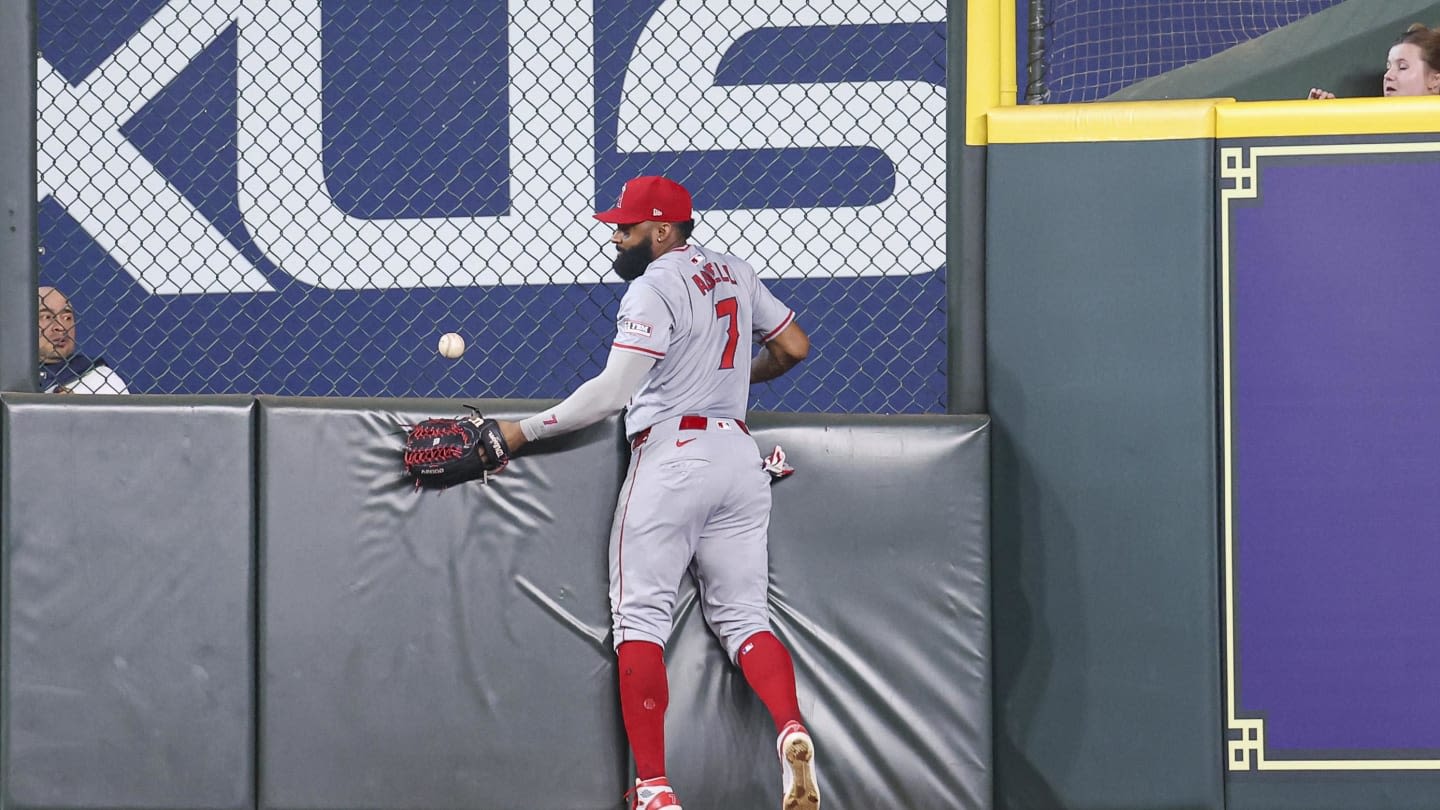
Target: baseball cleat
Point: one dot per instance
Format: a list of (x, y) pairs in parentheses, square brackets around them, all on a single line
[(797, 757), (652, 794)]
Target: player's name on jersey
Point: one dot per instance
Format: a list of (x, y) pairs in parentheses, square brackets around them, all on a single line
[(711, 275)]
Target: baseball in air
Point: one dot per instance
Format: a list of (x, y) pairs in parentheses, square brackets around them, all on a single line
[(451, 345)]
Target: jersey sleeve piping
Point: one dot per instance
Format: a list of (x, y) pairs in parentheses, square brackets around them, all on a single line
[(626, 347), (769, 336)]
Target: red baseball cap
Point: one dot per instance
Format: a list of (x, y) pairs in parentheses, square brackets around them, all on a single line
[(649, 199)]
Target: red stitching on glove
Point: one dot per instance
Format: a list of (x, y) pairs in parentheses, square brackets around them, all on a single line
[(431, 455), (423, 431)]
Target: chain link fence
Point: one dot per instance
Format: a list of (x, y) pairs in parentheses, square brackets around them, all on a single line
[(298, 198), (1085, 50)]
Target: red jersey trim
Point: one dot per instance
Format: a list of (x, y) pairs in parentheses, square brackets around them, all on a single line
[(639, 350), (769, 336)]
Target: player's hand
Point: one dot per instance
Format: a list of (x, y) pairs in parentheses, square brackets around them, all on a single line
[(514, 436), (1316, 92)]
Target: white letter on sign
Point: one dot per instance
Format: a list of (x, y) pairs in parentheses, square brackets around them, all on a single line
[(291, 214), (676, 59), (102, 180)]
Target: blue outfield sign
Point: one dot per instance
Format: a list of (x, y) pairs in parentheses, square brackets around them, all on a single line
[(298, 197)]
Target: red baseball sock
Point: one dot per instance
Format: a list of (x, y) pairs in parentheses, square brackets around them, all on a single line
[(644, 694), (769, 671)]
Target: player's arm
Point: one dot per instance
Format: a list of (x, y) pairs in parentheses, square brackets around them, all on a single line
[(780, 353), (597, 398)]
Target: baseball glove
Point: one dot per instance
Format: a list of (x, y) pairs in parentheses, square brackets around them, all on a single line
[(776, 465), (443, 452)]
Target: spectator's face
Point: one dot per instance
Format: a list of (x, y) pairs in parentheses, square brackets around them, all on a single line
[(57, 326), (1406, 73)]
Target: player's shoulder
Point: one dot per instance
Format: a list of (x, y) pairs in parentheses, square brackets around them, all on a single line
[(677, 258), (695, 260), (656, 288), (707, 253), (735, 268)]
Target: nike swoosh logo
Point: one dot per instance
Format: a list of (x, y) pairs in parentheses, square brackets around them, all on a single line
[(683, 442)]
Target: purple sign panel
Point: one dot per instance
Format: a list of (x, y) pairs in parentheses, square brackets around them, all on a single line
[(1333, 455)]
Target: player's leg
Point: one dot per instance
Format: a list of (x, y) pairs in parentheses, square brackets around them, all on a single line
[(650, 548), (644, 696), (769, 671), (732, 570)]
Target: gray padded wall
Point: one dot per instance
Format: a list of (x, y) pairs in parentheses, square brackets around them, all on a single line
[(428, 650), (18, 334), (452, 650), (879, 556), (1101, 375), (129, 666)]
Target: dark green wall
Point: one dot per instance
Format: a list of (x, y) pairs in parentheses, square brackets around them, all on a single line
[(1102, 392)]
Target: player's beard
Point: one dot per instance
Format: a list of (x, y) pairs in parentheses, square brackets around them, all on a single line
[(631, 262)]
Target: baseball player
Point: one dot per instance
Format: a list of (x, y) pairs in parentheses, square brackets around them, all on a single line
[(695, 495)]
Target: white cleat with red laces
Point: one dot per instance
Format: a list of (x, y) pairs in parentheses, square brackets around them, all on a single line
[(653, 794), (797, 768)]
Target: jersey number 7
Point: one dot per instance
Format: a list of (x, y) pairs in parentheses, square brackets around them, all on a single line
[(729, 309)]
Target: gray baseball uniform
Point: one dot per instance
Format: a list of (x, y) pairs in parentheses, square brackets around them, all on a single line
[(695, 495)]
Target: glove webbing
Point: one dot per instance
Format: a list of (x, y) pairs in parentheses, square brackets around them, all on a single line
[(431, 455), (423, 431)]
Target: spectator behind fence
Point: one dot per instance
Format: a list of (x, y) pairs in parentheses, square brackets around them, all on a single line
[(1412, 68), (62, 369)]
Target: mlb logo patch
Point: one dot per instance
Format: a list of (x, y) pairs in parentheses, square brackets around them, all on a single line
[(636, 328)]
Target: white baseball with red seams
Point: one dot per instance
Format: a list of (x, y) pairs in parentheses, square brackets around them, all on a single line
[(694, 488), (451, 345)]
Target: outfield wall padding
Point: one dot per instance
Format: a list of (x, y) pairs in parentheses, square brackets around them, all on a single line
[(428, 649), (240, 603), (128, 600), (879, 555)]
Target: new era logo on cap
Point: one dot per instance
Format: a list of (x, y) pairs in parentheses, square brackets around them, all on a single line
[(650, 199)]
